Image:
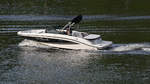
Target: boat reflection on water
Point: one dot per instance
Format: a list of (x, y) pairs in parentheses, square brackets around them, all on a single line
[(41, 65), (52, 65)]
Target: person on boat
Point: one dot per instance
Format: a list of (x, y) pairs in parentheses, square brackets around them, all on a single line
[(74, 21), (68, 31)]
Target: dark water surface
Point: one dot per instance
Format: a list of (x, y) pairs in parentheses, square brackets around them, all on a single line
[(126, 63), (125, 23)]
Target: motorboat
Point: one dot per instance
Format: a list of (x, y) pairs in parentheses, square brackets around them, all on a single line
[(59, 38)]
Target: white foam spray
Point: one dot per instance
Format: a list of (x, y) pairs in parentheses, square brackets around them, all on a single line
[(129, 47), (32, 43)]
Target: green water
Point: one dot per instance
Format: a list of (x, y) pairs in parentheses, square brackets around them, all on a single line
[(67, 7), (124, 22)]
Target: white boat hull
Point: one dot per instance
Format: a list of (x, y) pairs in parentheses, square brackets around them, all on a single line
[(78, 43)]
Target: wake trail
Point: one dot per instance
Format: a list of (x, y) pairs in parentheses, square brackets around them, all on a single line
[(134, 48), (130, 47)]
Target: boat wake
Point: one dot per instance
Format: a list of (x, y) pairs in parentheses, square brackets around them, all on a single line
[(134, 48), (31, 43), (130, 47)]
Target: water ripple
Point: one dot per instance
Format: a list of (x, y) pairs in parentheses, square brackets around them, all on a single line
[(61, 17)]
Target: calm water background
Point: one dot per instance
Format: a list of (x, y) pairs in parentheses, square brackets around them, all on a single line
[(125, 22)]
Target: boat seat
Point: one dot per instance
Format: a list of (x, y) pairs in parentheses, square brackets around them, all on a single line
[(92, 36), (79, 34)]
